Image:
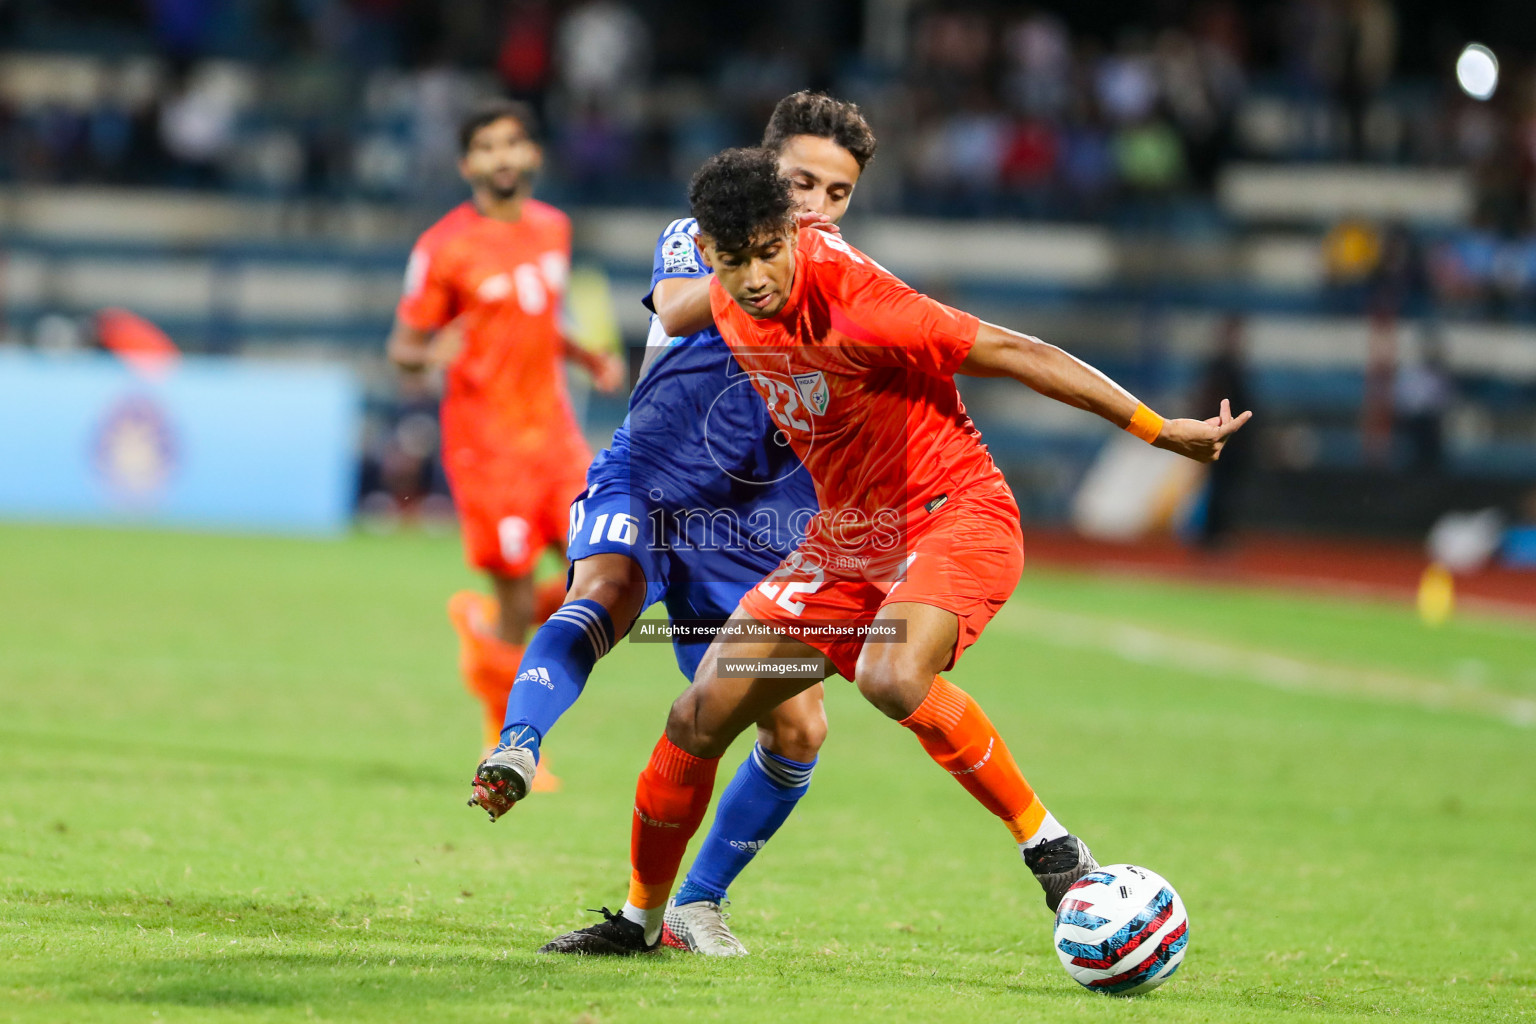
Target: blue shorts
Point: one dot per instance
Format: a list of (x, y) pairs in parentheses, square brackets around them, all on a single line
[(697, 582)]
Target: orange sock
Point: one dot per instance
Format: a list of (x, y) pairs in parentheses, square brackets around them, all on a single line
[(490, 679), (547, 598), (487, 665), (961, 739), (670, 802)]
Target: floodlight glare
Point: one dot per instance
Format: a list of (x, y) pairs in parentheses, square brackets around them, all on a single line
[(1477, 71)]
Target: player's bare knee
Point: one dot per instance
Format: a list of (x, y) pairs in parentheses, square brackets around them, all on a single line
[(894, 683), (616, 591), (798, 737), (607, 590), (683, 721), (689, 726), (884, 692)]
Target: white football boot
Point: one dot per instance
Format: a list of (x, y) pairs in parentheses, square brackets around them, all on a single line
[(502, 779), (699, 928)]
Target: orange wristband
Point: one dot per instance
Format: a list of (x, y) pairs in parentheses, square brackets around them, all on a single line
[(1145, 424)]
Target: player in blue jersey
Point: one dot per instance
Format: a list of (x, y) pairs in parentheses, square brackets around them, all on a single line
[(697, 499)]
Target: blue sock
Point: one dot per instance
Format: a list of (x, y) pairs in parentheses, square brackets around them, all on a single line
[(764, 791), (554, 670)]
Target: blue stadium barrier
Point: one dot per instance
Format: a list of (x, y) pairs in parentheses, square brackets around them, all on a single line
[(210, 444)]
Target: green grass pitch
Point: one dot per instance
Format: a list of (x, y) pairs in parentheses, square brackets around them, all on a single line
[(233, 774)]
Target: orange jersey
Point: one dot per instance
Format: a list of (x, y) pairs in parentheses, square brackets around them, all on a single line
[(858, 370), (502, 283)]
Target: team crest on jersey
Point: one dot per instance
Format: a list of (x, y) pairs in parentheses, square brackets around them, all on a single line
[(813, 388), (679, 255)]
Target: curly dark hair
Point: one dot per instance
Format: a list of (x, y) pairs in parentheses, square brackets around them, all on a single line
[(489, 111), (816, 113), (738, 194)]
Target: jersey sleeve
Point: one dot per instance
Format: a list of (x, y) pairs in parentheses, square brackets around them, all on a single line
[(901, 325), (427, 300), (677, 255)]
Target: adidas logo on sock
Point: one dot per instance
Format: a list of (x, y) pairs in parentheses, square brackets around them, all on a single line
[(747, 844), (535, 675)]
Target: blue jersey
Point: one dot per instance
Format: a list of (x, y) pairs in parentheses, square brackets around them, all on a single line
[(698, 439), (699, 487)]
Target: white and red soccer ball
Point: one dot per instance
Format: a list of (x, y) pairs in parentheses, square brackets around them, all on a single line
[(1121, 930)]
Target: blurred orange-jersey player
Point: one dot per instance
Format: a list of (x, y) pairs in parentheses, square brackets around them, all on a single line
[(483, 297)]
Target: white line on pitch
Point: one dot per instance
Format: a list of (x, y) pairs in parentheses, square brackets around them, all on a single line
[(1144, 646)]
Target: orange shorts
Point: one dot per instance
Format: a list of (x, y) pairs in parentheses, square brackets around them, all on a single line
[(966, 559), (511, 510)]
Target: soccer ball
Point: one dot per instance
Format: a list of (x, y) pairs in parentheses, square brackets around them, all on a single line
[(1121, 930)]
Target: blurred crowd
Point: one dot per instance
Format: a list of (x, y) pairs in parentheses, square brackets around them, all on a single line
[(984, 109), (1018, 115), (1016, 111)]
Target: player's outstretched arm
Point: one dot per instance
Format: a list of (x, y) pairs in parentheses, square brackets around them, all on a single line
[(999, 352)]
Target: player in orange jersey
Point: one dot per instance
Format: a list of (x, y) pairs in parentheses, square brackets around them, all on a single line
[(917, 540), (483, 297)]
